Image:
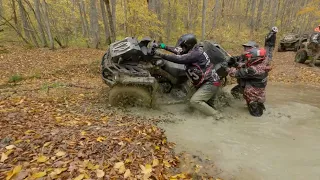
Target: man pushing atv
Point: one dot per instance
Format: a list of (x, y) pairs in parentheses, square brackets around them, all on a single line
[(198, 68)]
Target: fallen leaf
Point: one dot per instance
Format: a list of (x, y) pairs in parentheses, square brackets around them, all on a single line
[(80, 177), (122, 169), (58, 119), (92, 166), (100, 139), (99, 173), (121, 143), (155, 162), (10, 147), (9, 152), (29, 132), (59, 170), (15, 171), (106, 118), (127, 174), (38, 175), (128, 161), (147, 169), (3, 157), (60, 153), (157, 148), (46, 144), (183, 176), (42, 159), (22, 175), (197, 169), (118, 165), (17, 141), (83, 133), (166, 163), (82, 95)]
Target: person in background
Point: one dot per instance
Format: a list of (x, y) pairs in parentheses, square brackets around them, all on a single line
[(270, 42)]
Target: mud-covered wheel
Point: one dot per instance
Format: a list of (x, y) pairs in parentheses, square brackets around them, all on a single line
[(130, 96), (301, 56), (281, 48), (105, 58)]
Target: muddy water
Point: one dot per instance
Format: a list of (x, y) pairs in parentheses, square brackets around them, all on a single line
[(283, 144)]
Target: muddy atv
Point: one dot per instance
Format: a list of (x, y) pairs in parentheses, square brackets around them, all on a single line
[(304, 53), (303, 38), (135, 77), (289, 42)]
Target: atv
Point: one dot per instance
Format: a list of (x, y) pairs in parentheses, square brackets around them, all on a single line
[(289, 42), (303, 38), (135, 76), (305, 52)]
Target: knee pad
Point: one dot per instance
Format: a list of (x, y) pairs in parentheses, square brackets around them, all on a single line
[(256, 108)]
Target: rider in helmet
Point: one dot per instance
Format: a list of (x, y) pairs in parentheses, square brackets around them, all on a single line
[(254, 75), (238, 62), (198, 68), (270, 42)]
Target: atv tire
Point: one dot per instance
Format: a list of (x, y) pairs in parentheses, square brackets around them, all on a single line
[(281, 48), (301, 56), (130, 96)]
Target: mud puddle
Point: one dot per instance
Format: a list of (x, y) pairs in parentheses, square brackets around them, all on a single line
[(283, 144)]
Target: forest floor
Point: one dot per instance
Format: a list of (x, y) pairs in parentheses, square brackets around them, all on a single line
[(55, 121)]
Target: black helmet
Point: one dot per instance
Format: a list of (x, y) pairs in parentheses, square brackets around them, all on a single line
[(187, 42)]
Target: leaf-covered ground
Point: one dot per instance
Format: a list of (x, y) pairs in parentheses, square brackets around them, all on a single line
[(55, 122)]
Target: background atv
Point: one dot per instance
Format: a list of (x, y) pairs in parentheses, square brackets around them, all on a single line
[(289, 42), (304, 53), (135, 77), (303, 38)]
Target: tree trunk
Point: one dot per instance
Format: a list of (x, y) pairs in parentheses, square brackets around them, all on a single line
[(274, 13), (112, 30), (113, 9), (40, 26), (204, 6), (105, 22), (47, 23), (259, 14), (84, 17), (216, 12), (253, 10), (83, 27), (125, 16), (169, 21), (23, 15), (94, 26), (1, 10), (247, 8), (152, 5)]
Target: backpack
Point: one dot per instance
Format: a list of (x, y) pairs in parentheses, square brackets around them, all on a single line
[(218, 57)]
